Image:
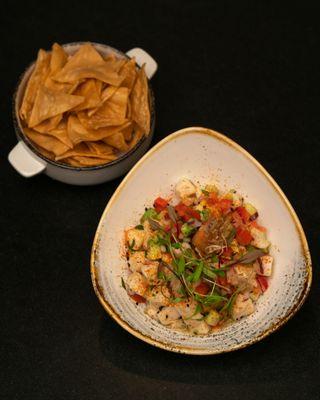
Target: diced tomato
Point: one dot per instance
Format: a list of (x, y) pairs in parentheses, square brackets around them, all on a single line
[(245, 216), (236, 220), (255, 224), (243, 236), (137, 298), (222, 280), (225, 205), (186, 212), (202, 288), (212, 199), (160, 204), (263, 282), (227, 253)]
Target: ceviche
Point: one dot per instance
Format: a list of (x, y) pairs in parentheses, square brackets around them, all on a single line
[(199, 259)]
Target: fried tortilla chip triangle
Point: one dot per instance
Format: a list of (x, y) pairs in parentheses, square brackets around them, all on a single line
[(87, 63), (140, 102), (112, 112), (38, 76), (49, 103), (58, 58)]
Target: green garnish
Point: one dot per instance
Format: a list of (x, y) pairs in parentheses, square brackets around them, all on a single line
[(215, 258), (139, 227), (196, 311), (181, 264), (210, 299), (177, 299), (123, 284), (197, 272), (204, 215), (131, 245), (176, 245), (205, 192), (228, 306), (186, 230), (149, 213), (231, 236)]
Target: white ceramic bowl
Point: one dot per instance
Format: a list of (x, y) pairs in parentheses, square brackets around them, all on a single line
[(28, 161), (202, 155)]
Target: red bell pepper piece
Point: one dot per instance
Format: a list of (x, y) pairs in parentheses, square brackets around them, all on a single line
[(263, 282), (245, 216), (243, 236), (186, 212), (202, 288), (255, 224), (160, 204), (225, 205), (137, 298)]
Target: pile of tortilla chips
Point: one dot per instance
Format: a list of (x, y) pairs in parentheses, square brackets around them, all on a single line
[(85, 109)]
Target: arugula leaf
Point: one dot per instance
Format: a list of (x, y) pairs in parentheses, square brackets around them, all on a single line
[(210, 299), (181, 265), (209, 272), (198, 271), (139, 227)]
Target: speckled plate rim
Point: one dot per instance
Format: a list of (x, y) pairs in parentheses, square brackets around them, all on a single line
[(185, 349)]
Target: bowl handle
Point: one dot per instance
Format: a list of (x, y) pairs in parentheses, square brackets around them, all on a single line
[(142, 57), (25, 162)]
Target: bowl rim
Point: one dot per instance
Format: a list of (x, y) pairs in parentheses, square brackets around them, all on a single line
[(21, 136), (187, 349)]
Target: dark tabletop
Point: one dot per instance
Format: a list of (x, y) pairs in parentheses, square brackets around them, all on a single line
[(248, 70)]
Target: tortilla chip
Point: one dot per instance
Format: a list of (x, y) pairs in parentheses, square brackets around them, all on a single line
[(140, 102), (61, 133), (100, 148), (48, 124), (58, 58), (89, 161), (106, 94), (117, 141), (49, 103), (116, 63), (137, 135), (112, 112), (79, 132), (46, 142), (88, 63), (129, 72), (82, 150), (127, 132), (91, 91), (38, 75)]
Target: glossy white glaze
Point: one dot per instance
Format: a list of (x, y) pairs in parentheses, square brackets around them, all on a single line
[(203, 156)]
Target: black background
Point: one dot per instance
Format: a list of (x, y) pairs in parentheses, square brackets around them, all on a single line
[(249, 70)]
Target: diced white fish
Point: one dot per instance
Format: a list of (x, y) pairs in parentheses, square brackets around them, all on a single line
[(137, 283)]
